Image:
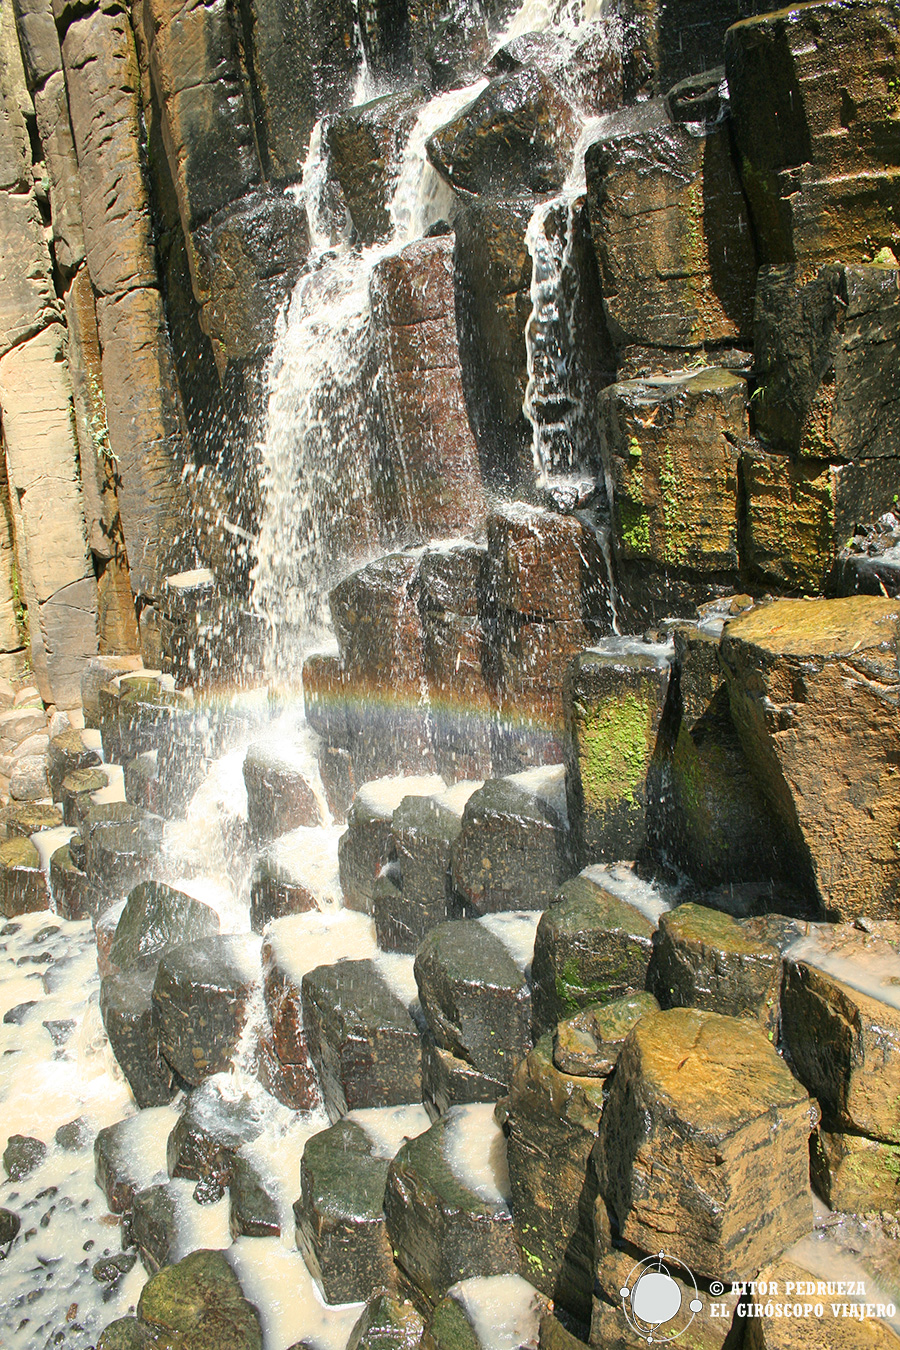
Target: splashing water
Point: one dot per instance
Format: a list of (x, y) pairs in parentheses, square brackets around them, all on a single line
[(322, 431)]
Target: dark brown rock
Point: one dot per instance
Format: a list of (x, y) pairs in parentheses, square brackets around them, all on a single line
[(440, 1228), (704, 959), (200, 1003), (126, 1006), (364, 147), (475, 998), (279, 799), (519, 132), (361, 1038)]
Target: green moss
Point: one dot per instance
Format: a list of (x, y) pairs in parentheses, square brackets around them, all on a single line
[(675, 541), (634, 524), (615, 748)]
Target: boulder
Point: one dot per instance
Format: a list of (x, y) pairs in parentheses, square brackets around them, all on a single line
[(279, 798), (551, 1121), (447, 1204), (361, 1038), (200, 999), (22, 1155), (126, 1005), (513, 849), (789, 666), (810, 124), (341, 1228), (704, 959), (364, 146), (474, 996), (710, 1096), (366, 846), (200, 1300), (841, 1027), (518, 133), (671, 231), (588, 1044), (121, 849), (155, 918), (423, 832), (28, 780), (614, 699), (23, 886), (592, 946)]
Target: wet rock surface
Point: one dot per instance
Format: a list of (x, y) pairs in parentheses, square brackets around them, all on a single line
[(200, 997)]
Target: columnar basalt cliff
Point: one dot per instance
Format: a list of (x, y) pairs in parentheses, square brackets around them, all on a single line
[(449, 639)]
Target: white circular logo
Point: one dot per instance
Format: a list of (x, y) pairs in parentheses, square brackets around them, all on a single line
[(653, 1297)]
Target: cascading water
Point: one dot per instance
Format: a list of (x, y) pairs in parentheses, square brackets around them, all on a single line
[(321, 428)]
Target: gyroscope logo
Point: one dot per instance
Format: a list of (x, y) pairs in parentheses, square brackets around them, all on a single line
[(652, 1298)]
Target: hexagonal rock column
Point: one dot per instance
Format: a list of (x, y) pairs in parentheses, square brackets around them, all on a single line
[(669, 221), (703, 1148), (513, 849), (809, 96), (341, 1227), (432, 452), (126, 1005), (592, 946), (361, 1038), (475, 998), (200, 1003), (670, 448), (367, 843), (704, 959), (279, 798), (551, 1119), (614, 697), (841, 1018), (813, 688), (447, 1204)]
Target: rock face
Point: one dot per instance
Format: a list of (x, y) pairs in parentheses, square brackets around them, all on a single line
[(733, 1188), (789, 666), (818, 140)]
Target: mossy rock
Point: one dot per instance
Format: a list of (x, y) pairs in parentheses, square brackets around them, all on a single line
[(198, 1304)]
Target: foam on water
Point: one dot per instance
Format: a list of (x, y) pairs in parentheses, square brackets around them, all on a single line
[(275, 1279), (475, 1150), (868, 964), (516, 929), (652, 899), (300, 942), (382, 796), (548, 783), (48, 841), (115, 786), (504, 1310), (396, 969), (389, 1127), (309, 858)]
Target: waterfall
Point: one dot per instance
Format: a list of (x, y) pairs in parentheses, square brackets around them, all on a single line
[(322, 430)]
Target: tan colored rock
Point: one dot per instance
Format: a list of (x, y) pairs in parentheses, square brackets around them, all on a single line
[(809, 1332), (52, 110), (145, 430), (814, 103), (813, 690), (42, 454), (38, 40), (15, 148), (103, 83), (11, 634), (844, 1041), (703, 1147), (433, 452), (670, 448), (856, 1175), (670, 228), (27, 299)]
